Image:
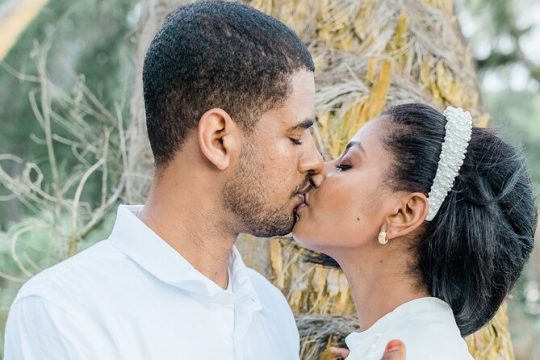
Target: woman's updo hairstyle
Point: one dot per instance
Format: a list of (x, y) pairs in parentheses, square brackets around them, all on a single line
[(471, 254)]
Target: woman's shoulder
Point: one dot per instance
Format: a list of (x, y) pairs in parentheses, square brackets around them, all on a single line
[(426, 326), (429, 340)]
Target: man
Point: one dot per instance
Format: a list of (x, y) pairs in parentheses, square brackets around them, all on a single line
[(229, 98)]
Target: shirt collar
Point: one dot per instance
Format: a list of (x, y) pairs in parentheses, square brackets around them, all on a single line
[(143, 246)]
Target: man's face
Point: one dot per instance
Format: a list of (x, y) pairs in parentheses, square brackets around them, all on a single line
[(278, 162)]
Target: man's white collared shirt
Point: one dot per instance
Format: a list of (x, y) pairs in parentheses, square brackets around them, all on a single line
[(133, 297)]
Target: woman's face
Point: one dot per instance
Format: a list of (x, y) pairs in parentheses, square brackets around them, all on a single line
[(349, 208)]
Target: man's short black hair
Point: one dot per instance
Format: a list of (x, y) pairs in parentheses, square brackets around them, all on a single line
[(216, 54)]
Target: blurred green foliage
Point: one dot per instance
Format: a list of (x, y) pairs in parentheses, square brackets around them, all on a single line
[(103, 57), (93, 38), (517, 117)]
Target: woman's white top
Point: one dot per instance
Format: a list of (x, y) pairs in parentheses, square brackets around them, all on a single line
[(426, 326)]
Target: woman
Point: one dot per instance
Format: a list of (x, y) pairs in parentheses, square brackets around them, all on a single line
[(431, 220)]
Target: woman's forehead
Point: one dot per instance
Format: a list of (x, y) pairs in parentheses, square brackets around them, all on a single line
[(370, 131)]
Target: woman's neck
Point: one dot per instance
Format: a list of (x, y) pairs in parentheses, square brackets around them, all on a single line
[(379, 283)]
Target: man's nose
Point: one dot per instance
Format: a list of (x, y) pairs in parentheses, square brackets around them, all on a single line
[(313, 165)]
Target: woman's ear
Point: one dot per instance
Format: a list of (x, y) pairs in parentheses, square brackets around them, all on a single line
[(408, 215), (219, 137)]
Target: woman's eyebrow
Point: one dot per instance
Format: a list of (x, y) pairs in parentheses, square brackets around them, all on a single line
[(350, 145), (355, 143)]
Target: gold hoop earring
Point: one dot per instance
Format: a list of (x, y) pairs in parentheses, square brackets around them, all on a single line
[(383, 239)]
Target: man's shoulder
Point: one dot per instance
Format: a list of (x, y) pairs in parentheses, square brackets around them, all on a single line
[(260, 282), (267, 291), (275, 307), (75, 275)]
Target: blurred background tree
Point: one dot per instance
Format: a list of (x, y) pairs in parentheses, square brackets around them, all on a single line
[(80, 55), (504, 37), (61, 168)]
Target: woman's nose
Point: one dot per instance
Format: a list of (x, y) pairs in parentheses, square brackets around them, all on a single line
[(329, 167)]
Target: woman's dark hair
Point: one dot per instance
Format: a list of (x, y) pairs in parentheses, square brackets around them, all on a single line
[(471, 254)]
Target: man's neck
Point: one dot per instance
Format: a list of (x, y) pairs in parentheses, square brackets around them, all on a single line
[(193, 230)]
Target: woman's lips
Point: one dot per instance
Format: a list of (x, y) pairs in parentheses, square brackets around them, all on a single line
[(303, 203)]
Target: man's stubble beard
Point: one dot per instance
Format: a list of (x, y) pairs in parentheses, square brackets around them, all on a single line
[(246, 196)]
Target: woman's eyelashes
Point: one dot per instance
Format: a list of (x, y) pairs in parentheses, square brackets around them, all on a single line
[(345, 163), (343, 167)]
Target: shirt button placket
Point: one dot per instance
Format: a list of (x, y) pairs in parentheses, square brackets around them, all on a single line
[(225, 320)]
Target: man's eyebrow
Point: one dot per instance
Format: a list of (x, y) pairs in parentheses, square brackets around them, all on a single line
[(306, 124)]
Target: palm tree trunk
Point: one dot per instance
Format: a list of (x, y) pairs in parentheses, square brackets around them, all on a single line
[(369, 55)]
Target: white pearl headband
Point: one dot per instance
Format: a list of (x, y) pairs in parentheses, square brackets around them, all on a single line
[(454, 147)]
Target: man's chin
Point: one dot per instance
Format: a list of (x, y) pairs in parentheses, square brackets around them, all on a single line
[(267, 222), (269, 233), (273, 229)]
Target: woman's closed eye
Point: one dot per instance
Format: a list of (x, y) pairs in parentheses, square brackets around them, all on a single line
[(343, 167)]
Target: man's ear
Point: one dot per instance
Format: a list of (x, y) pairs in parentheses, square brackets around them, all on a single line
[(409, 214), (219, 137)]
